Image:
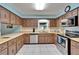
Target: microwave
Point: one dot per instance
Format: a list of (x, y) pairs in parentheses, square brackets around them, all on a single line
[(73, 21)]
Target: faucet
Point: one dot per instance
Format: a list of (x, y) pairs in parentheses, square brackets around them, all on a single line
[(33, 29)]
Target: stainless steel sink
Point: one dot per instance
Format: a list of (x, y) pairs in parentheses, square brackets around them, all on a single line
[(4, 37)]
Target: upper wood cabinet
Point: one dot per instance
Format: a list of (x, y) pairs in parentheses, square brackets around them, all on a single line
[(12, 18), (53, 23), (68, 15), (9, 17), (4, 15), (75, 12), (17, 20), (30, 23)]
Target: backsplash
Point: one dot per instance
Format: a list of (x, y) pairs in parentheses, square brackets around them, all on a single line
[(4, 30), (72, 28)]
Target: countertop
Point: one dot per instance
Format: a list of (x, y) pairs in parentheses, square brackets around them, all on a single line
[(8, 37)]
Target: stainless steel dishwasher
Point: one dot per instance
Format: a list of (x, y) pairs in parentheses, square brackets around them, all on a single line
[(33, 38)]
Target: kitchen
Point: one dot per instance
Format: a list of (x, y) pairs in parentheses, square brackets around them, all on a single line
[(25, 31)]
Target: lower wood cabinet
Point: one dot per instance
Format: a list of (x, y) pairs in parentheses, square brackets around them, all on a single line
[(3, 49), (20, 42), (3, 46), (4, 52), (12, 50), (74, 48), (12, 47), (26, 38), (46, 38)]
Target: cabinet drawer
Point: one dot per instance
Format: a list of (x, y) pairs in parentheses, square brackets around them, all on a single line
[(3, 46), (4, 52), (12, 42)]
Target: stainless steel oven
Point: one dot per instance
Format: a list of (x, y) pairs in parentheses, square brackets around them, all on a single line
[(63, 44)]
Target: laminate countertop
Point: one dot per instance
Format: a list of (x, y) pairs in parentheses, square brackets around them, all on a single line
[(8, 37)]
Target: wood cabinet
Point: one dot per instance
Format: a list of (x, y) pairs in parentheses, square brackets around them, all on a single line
[(74, 48), (17, 20), (75, 12), (26, 38), (9, 17), (12, 47), (12, 18), (46, 38), (69, 14), (24, 23), (30, 23), (3, 49), (53, 23), (20, 42), (4, 15), (12, 50), (4, 52)]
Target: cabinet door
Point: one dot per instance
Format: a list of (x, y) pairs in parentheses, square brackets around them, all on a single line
[(12, 18), (18, 43), (46, 38), (4, 15), (24, 23), (41, 39), (3, 46), (74, 48), (12, 50), (4, 52), (68, 15), (53, 23), (26, 38), (30, 23), (74, 12)]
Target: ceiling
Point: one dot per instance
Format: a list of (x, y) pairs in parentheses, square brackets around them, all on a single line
[(27, 10)]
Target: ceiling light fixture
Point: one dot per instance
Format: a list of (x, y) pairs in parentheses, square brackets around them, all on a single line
[(39, 6)]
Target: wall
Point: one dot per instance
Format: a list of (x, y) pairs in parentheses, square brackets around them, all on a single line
[(5, 30)]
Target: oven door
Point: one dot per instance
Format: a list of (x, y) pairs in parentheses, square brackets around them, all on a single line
[(59, 40), (63, 41)]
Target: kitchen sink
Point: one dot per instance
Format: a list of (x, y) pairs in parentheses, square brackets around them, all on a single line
[(4, 37)]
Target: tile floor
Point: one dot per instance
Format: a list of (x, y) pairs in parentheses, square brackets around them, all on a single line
[(39, 49)]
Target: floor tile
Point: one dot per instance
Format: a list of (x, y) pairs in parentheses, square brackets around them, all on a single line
[(39, 49)]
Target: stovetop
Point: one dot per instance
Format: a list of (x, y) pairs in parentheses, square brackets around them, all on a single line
[(72, 34)]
